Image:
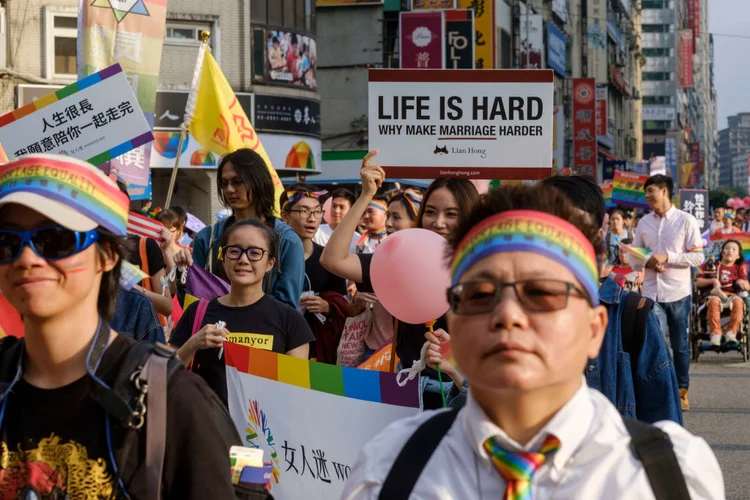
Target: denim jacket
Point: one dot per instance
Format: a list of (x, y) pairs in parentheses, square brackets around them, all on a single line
[(647, 391), (135, 317)]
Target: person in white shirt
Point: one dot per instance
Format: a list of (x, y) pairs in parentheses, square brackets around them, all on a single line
[(524, 318), (341, 202), (718, 221), (674, 240)]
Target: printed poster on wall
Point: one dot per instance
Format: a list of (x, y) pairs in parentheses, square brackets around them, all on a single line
[(292, 59), (484, 24), (459, 39), (310, 419), (421, 40), (475, 124), (584, 126)]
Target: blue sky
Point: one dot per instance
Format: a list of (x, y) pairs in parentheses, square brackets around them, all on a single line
[(732, 55)]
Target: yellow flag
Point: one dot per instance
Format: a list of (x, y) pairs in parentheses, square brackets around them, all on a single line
[(218, 122)]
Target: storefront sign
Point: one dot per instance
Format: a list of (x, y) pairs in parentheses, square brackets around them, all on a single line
[(556, 53), (660, 113), (461, 123), (421, 40), (584, 126), (275, 113), (686, 55), (292, 59), (670, 156), (432, 4), (619, 81), (170, 108), (484, 24), (459, 39), (602, 99)]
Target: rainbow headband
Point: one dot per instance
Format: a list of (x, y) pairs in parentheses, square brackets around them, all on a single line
[(413, 199), (293, 197), (530, 231), (380, 205)]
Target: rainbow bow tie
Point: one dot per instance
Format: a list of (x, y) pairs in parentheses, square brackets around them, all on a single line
[(518, 468)]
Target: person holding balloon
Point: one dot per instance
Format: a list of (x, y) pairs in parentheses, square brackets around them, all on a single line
[(407, 281)]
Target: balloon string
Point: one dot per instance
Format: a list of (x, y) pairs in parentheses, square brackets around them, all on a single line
[(430, 325)]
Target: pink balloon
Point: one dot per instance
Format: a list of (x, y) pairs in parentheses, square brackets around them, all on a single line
[(410, 275), (327, 210)]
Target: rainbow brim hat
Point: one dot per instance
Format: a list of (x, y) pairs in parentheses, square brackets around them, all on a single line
[(71, 192)]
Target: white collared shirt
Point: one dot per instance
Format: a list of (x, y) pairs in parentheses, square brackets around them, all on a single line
[(676, 234), (324, 232), (594, 460)]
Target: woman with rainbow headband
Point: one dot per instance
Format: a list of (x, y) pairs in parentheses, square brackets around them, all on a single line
[(524, 320), (62, 224), (403, 209), (445, 203)]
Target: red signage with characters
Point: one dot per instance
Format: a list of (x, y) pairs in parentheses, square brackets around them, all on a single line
[(584, 126)]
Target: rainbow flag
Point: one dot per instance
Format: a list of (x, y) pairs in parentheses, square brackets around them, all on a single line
[(215, 118), (201, 284), (719, 239), (131, 34), (637, 252), (627, 189)]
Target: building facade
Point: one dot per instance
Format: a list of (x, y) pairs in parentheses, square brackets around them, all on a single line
[(734, 145), (267, 51)]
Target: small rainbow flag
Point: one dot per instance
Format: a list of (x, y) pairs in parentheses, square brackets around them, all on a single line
[(637, 252), (130, 275), (365, 385)]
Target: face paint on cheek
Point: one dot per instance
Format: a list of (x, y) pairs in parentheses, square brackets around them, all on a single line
[(74, 267)]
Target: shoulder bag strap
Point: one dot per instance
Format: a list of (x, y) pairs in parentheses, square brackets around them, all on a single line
[(653, 448), (146, 283), (210, 257), (200, 313), (414, 456)]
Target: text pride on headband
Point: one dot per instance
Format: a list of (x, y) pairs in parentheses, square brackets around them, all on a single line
[(295, 196), (530, 231)]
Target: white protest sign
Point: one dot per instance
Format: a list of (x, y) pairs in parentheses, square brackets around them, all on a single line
[(95, 119), (311, 419), (194, 223), (481, 124), (351, 348)]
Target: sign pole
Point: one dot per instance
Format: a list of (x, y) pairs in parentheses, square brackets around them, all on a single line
[(205, 35)]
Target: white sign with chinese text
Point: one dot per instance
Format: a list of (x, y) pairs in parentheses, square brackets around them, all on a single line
[(95, 119), (481, 124)]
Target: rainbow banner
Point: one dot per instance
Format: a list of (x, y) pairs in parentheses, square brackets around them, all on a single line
[(130, 33), (312, 419), (717, 241), (94, 119), (628, 191)]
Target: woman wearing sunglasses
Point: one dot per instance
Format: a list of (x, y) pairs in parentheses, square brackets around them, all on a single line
[(251, 318), (524, 319), (62, 224)]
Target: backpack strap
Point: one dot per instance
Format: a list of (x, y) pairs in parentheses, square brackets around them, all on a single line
[(653, 448), (210, 253), (146, 283), (200, 313), (633, 322), (414, 456)]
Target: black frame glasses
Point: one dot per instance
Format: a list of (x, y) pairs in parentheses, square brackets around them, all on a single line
[(534, 295), (227, 253), (305, 213), (49, 243)]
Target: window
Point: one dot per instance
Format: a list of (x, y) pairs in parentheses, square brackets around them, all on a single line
[(656, 28), (295, 14), (656, 76), (656, 52), (657, 99), (179, 33), (657, 125), (655, 4), (61, 33)]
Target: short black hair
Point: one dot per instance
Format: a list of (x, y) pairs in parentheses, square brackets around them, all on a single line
[(253, 171), (344, 193), (583, 191), (660, 181), (256, 223)]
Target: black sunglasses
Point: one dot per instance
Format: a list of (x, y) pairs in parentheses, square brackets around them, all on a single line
[(534, 295), (49, 243)]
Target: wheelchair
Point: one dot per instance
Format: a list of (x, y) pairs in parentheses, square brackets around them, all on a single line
[(700, 336)]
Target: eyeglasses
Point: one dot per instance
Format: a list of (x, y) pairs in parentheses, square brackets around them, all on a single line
[(49, 243), (305, 213), (534, 295), (254, 254)]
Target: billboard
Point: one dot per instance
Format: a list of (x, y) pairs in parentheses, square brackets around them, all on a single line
[(584, 126), (291, 59), (275, 113), (421, 40)]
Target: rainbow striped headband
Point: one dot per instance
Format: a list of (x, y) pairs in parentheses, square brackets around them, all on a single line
[(380, 205), (413, 199), (72, 182), (530, 231), (295, 196)]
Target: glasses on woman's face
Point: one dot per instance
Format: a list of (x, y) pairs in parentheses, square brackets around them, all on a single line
[(254, 254), (49, 243), (535, 295), (305, 213)]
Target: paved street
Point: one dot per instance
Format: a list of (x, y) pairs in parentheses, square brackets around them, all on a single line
[(720, 413)]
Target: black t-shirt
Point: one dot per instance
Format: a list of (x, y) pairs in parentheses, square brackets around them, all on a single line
[(53, 441), (268, 324), (153, 254), (410, 338), (321, 279)]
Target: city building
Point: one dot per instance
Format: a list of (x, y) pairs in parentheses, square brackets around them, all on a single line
[(734, 143), (266, 48)]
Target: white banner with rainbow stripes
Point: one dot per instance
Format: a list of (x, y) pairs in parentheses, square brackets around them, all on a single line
[(311, 419)]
